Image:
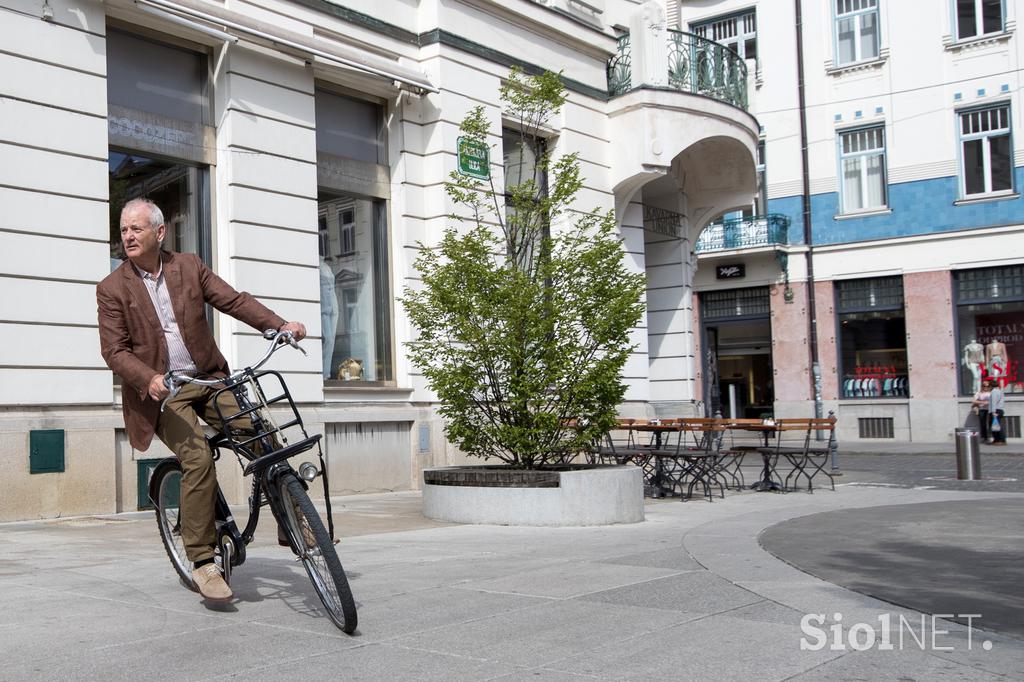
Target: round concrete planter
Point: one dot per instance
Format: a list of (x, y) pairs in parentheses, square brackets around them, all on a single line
[(579, 495)]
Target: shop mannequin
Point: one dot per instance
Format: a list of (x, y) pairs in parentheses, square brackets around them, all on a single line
[(974, 357), (328, 315), (996, 360)]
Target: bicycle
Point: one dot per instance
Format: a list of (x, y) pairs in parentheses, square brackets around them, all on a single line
[(262, 448)]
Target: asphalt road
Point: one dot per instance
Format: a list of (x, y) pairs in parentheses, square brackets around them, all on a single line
[(945, 557)]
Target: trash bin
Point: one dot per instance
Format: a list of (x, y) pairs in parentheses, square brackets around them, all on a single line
[(968, 455)]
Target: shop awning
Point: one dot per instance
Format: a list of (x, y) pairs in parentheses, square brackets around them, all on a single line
[(234, 24)]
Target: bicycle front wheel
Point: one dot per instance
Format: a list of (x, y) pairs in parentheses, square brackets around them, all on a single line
[(312, 543), (165, 493)]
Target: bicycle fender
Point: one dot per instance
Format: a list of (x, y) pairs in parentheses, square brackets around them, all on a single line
[(167, 462)]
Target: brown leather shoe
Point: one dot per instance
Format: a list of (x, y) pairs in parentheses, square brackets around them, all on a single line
[(210, 583)]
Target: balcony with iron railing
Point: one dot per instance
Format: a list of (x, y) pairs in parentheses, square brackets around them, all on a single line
[(696, 65), (744, 233)]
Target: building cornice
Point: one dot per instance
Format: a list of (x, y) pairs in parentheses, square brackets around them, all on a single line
[(449, 39)]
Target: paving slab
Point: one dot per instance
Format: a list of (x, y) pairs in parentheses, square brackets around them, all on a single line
[(572, 579), (675, 558), (440, 607), (696, 591), (553, 632), (378, 661), (710, 648), (880, 666)]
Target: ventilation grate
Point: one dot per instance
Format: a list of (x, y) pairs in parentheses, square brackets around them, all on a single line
[(875, 427), (1012, 426)]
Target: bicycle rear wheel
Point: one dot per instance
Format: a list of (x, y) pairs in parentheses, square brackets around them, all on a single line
[(313, 545), (165, 493)]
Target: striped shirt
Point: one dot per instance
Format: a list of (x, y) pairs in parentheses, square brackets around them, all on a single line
[(178, 357)]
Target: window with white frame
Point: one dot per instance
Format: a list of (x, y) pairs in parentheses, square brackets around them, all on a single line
[(978, 17), (986, 156), (738, 32), (862, 169), (857, 33), (347, 218)]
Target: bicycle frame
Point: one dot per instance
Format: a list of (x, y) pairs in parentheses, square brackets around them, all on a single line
[(264, 435), (261, 493), (261, 447)]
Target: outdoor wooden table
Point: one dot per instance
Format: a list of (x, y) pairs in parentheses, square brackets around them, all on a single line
[(767, 453), (657, 480), (658, 430)]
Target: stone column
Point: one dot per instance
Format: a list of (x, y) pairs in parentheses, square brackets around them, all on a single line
[(828, 356), (790, 355), (931, 355)]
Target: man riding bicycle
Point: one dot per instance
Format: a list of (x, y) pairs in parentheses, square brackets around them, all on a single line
[(152, 321)]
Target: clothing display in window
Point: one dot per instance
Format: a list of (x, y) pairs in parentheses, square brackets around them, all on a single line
[(974, 360), (990, 313), (996, 360), (872, 339), (875, 382)]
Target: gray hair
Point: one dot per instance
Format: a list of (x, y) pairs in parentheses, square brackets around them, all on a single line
[(156, 216)]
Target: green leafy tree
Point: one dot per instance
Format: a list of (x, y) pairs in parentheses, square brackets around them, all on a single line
[(524, 314)]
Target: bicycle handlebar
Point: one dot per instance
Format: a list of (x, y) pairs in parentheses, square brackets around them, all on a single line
[(277, 339)]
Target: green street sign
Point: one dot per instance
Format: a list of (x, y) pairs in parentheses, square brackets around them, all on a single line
[(474, 159)]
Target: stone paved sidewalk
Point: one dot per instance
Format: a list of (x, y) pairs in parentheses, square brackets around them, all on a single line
[(687, 594)]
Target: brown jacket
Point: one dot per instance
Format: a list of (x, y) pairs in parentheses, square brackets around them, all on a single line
[(132, 342)]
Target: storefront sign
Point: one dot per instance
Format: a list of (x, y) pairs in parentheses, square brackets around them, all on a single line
[(474, 159), (734, 271)]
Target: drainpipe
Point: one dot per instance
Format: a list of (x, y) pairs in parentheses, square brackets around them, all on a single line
[(812, 317)]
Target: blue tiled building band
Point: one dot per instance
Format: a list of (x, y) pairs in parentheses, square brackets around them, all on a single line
[(920, 207)]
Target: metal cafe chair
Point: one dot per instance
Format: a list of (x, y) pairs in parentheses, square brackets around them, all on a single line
[(694, 461), (619, 445), (809, 461)]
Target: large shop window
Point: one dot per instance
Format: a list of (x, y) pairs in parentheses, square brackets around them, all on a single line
[(522, 155), (160, 138), (355, 295), (872, 338), (978, 17), (990, 324), (986, 158), (862, 162), (179, 189), (856, 31)]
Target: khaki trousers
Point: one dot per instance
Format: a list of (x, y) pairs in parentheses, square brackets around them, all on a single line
[(179, 429)]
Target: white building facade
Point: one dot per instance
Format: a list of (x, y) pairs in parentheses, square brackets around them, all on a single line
[(300, 148), (889, 265)]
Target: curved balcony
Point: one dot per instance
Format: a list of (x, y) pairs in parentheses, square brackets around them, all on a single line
[(696, 65), (744, 233)]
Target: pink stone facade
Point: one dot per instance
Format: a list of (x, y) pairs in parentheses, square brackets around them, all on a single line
[(828, 359), (931, 345), (790, 355), (933, 408)]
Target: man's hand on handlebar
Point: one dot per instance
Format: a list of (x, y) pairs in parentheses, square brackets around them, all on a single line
[(157, 388), (297, 329)]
